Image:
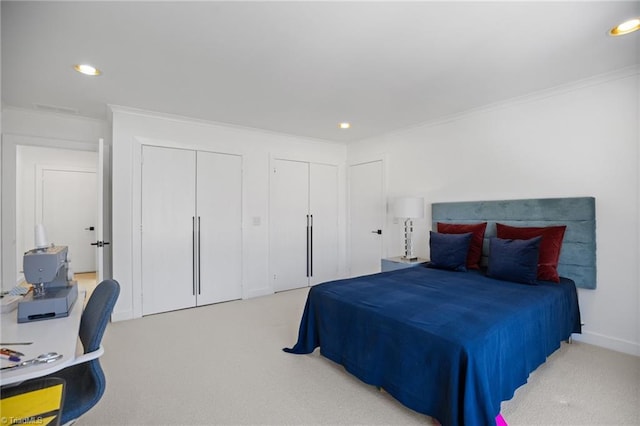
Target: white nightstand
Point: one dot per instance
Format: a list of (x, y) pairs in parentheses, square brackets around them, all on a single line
[(394, 263)]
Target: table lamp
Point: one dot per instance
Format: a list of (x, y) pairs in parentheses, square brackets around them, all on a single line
[(409, 208)]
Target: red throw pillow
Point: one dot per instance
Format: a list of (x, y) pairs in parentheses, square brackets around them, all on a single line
[(475, 248), (549, 246)]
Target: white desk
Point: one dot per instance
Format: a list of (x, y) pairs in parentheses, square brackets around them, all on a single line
[(53, 335)]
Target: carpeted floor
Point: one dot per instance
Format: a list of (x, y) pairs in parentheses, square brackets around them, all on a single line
[(223, 364)]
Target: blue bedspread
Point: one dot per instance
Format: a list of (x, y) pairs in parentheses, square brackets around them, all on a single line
[(451, 345)]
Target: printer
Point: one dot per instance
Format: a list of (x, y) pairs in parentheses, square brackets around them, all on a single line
[(53, 295)]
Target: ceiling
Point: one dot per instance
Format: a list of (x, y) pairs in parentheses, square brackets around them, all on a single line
[(300, 68)]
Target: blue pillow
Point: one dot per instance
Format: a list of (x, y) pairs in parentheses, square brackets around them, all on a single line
[(449, 251), (514, 260)]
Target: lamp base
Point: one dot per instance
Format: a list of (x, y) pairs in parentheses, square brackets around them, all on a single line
[(410, 258), (408, 245)]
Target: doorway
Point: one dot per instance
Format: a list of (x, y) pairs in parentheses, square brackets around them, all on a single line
[(64, 205), (56, 187), (87, 281), (367, 210)]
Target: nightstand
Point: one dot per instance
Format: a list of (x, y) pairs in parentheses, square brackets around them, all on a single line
[(394, 263)]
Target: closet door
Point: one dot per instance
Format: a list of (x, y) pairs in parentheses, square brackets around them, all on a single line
[(168, 214), (288, 219), (323, 207), (219, 220)]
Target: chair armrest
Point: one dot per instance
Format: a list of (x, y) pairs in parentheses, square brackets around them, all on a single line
[(88, 356)]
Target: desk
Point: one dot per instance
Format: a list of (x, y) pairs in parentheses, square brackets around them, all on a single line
[(54, 335)]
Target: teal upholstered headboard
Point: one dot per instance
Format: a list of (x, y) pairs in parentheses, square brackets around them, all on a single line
[(578, 254)]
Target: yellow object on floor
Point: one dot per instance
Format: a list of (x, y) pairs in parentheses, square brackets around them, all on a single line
[(34, 402)]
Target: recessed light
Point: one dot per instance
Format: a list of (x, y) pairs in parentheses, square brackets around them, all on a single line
[(626, 27), (87, 69), (344, 125)]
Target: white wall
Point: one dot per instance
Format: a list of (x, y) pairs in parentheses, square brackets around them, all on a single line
[(1, 230), (132, 128), (638, 202), (44, 124), (577, 140), (1, 213), (31, 128)]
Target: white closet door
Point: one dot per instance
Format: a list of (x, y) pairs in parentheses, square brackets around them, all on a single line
[(289, 208), (168, 209), (323, 206), (219, 212)]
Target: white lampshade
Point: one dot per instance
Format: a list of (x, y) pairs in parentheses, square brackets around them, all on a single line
[(409, 207)]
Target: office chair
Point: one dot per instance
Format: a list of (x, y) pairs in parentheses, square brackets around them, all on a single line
[(37, 400), (85, 381)]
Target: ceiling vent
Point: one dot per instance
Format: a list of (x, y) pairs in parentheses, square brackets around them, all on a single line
[(56, 109)]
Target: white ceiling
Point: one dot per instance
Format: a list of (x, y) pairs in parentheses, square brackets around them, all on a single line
[(302, 67)]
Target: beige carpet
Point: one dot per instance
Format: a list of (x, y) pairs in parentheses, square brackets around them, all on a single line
[(223, 364)]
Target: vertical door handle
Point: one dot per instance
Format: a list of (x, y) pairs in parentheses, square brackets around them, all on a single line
[(199, 255), (193, 254), (307, 246), (311, 248)]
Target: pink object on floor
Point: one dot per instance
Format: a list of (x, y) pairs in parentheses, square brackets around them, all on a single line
[(500, 421)]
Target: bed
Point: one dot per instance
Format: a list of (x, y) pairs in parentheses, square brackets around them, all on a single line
[(455, 344)]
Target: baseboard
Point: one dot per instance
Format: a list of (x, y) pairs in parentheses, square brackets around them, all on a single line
[(615, 344), (128, 315), (121, 316), (259, 292)]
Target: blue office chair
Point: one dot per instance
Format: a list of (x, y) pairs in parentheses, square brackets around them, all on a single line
[(85, 381)]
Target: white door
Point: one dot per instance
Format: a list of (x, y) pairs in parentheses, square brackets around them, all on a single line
[(219, 224), (366, 217), (288, 220), (68, 213), (99, 242), (168, 229), (323, 207)]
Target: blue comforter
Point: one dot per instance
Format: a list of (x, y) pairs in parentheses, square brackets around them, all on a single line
[(451, 345)]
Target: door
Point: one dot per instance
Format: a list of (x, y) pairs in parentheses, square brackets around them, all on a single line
[(68, 212), (168, 229), (219, 225), (323, 208), (289, 221), (366, 217), (99, 242)]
